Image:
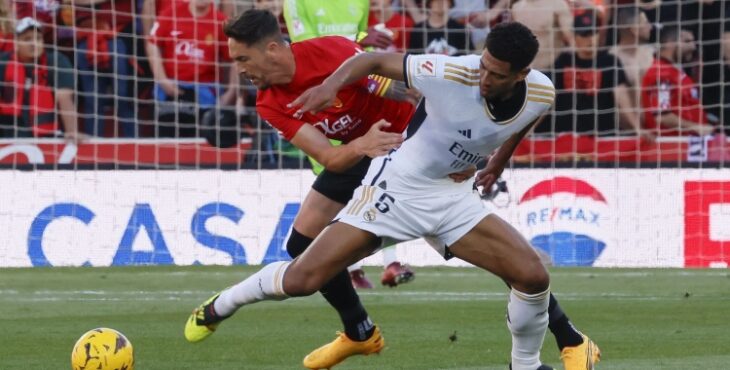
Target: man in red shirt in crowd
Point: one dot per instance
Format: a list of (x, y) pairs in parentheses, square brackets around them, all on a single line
[(399, 23), (151, 9), (369, 125), (187, 53), (670, 98)]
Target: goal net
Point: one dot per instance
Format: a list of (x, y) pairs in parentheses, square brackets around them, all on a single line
[(106, 159)]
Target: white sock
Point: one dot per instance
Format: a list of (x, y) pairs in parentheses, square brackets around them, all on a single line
[(265, 285), (527, 320), (389, 255), (355, 266)]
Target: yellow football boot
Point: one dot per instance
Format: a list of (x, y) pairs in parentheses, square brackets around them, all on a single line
[(203, 321), (581, 357), (342, 347)]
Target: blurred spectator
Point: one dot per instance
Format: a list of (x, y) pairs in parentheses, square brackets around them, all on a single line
[(44, 11), (416, 9), (550, 21), (6, 27), (348, 18), (635, 55), (276, 8), (478, 16), (36, 83), (188, 55), (725, 112), (591, 84), (439, 34), (397, 23), (670, 98), (151, 9), (103, 61)]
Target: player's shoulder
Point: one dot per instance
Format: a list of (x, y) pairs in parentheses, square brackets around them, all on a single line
[(539, 88), (326, 44), (462, 69)]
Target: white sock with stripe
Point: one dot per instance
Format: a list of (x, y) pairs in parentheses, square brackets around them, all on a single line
[(265, 285), (389, 256), (527, 321)]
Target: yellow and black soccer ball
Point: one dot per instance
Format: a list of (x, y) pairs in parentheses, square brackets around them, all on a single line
[(102, 349)]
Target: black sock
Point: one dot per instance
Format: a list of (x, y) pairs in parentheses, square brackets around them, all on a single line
[(209, 314), (339, 293), (565, 333)]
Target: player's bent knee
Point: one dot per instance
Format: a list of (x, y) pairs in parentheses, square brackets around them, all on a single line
[(535, 279)]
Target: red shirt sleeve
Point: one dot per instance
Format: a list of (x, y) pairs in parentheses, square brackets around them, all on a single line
[(287, 126)]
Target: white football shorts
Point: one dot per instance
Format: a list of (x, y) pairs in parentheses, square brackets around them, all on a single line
[(399, 206)]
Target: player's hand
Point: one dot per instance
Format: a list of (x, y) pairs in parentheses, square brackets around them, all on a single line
[(463, 175), (314, 99), (647, 137), (75, 137), (377, 142), (488, 176), (170, 88), (376, 39), (703, 130), (478, 20)]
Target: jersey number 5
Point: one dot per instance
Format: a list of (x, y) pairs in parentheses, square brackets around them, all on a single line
[(382, 204)]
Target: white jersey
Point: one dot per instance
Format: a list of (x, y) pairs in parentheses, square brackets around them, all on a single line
[(408, 194), (460, 129)]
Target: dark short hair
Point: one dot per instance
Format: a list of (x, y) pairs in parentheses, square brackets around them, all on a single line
[(428, 3), (514, 43), (669, 34), (628, 16), (252, 26)]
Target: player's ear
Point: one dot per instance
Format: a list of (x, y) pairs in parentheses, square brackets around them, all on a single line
[(271, 47), (521, 75)]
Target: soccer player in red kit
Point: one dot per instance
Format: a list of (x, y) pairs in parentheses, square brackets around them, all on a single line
[(369, 125)]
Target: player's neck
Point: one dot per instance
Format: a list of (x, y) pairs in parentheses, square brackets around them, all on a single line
[(290, 68)]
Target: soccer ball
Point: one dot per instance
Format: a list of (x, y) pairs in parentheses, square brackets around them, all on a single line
[(102, 349)]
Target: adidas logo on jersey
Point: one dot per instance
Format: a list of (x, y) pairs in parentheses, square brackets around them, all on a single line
[(466, 133)]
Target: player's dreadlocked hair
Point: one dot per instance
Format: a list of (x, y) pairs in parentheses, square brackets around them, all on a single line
[(514, 43), (252, 26)]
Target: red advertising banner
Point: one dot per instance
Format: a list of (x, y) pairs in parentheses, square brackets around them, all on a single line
[(132, 152), (706, 234)]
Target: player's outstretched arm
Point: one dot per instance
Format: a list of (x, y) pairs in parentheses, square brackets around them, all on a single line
[(315, 99), (375, 142)]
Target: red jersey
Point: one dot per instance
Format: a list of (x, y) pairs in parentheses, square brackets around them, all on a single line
[(357, 107), (162, 5), (401, 26), (666, 88), (191, 48)]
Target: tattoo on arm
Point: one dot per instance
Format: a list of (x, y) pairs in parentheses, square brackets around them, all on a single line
[(396, 91)]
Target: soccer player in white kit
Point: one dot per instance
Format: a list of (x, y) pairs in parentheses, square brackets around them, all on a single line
[(475, 105)]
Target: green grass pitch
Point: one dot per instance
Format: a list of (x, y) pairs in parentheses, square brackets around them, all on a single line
[(641, 318)]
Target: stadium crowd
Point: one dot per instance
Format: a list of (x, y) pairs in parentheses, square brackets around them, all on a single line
[(156, 68)]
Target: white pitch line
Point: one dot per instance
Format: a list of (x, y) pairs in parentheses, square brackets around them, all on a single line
[(412, 296)]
